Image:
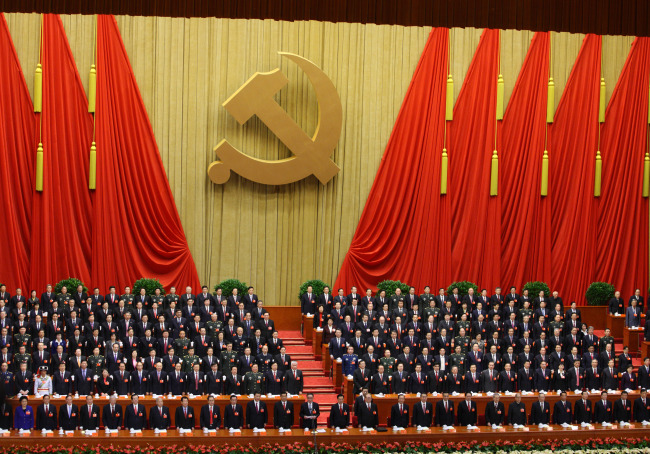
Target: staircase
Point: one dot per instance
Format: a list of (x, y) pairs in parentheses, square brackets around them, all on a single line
[(618, 349), (315, 380)]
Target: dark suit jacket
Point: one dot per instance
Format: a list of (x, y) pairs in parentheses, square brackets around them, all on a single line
[(283, 417), (494, 415), (368, 417), (517, 413), (158, 420), (112, 420), (641, 410), (68, 422), (292, 384), (87, 421), (338, 418), (539, 415), (399, 419), (467, 415), (135, 418), (603, 413), (46, 421), (622, 413), (304, 411), (84, 387), (121, 385), (184, 422), (233, 419), (582, 412), (204, 418), (562, 413), (444, 418), (255, 418), (422, 417)]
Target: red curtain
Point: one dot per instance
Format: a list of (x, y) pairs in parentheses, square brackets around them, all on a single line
[(622, 236), (525, 228), (414, 245), (475, 216), (573, 142), (17, 150), (141, 233), (63, 217)]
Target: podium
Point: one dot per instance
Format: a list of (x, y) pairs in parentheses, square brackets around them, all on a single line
[(616, 325), (631, 338)]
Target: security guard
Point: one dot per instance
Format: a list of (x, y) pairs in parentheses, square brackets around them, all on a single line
[(253, 381)]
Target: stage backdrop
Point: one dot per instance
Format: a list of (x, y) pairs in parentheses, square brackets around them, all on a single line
[(277, 237)]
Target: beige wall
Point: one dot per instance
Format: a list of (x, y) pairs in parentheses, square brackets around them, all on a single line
[(277, 237)]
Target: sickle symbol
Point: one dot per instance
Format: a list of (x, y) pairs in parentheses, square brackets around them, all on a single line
[(255, 97)]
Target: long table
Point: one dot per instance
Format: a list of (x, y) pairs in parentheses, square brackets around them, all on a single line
[(385, 403), (354, 437), (196, 402)]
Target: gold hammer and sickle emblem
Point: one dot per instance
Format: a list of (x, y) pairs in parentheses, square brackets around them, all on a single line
[(312, 154)]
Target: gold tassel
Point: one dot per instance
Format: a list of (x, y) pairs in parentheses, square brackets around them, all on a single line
[(92, 89), (39, 168), (500, 97), (550, 101), (38, 88), (443, 172), (599, 171), (646, 175), (601, 107), (545, 174), (92, 173), (494, 180), (449, 113)]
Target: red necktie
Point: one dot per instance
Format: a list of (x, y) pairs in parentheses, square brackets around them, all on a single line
[(211, 416)]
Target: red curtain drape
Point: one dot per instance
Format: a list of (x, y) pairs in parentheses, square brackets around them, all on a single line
[(62, 217), (475, 216), (525, 227), (17, 150), (141, 233), (622, 233), (412, 245), (573, 142)]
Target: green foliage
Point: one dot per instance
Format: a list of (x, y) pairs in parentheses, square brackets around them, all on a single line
[(599, 293), (229, 284), (317, 287), (149, 284), (391, 286), (463, 287), (534, 287), (70, 284)]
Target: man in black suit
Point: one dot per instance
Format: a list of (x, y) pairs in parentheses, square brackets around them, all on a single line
[(422, 412), (603, 410), (562, 413), (68, 415), (62, 381), (283, 413), (644, 373), (46, 416), (308, 301), (89, 415), (184, 415), (399, 413), (622, 411), (256, 413), (135, 415), (368, 414), (445, 411), (309, 412), (139, 381), (517, 412), (616, 304), (159, 416), (642, 407), (540, 412), (293, 380), (467, 411), (112, 414), (582, 409), (495, 412), (210, 417), (340, 414), (158, 381), (121, 380), (233, 415)]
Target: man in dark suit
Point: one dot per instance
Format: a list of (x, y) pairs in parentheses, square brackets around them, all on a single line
[(562, 413), (622, 411), (517, 412), (46, 417), (644, 374), (139, 381), (135, 415), (422, 412), (68, 415), (603, 409), (273, 380), (399, 413), (184, 415), (210, 417), (467, 411), (340, 414), (293, 380), (308, 301), (540, 412), (83, 379), (445, 411), (62, 381), (121, 380), (616, 304), (583, 409), (158, 381), (495, 412), (368, 414), (233, 414), (283, 413), (159, 416), (89, 415), (177, 381), (642, 407), (309, 412), (112, 414), (256, 413)]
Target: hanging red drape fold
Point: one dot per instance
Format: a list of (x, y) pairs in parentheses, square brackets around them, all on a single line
[(475, 216), (141, 233), (525, 227), (573, 142), (62, 217), (622, 234), (17, 151), (404, 230)]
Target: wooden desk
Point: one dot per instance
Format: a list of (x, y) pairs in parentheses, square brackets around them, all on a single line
[(631, 338), (307, 328), (326, 359), (616, 325), (337, 374), (348, 395), (274, 440), (195, 402), (317, 344)]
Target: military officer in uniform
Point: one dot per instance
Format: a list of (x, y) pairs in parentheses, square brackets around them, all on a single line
[(253, 381)]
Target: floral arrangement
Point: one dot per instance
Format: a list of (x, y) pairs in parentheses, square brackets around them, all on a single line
[(555, 446)]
